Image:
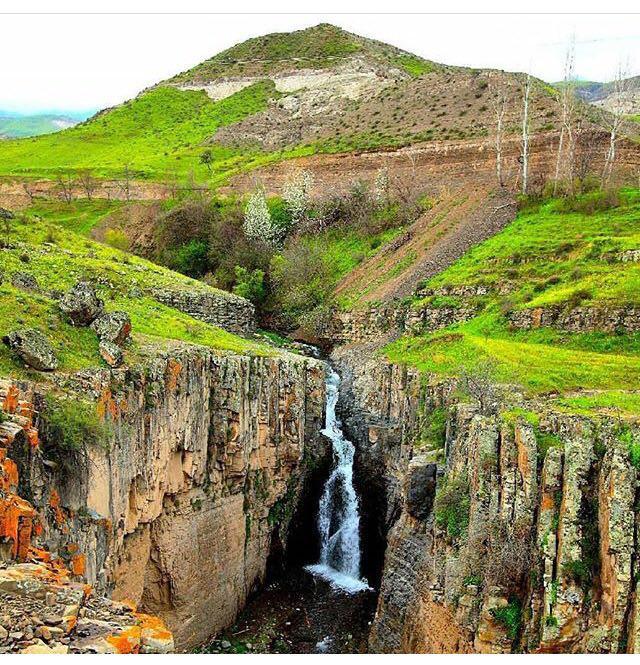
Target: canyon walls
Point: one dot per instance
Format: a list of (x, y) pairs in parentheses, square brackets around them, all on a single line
[(510, 526), (201, 462)]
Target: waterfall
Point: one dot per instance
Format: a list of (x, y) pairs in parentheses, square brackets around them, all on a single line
[(338, 518)]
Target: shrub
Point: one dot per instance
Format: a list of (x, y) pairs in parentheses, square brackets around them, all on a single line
[(510, 617), (452, 505), (117, 238), (68, 428), (250, 285), (191, 259)]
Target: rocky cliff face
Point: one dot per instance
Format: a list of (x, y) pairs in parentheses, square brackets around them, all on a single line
[(202, 461), (510, 527)]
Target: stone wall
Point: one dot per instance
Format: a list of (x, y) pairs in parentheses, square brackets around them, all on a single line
[(578, 319), (207, 455), (389, 321), (547, 560), (222, 309)]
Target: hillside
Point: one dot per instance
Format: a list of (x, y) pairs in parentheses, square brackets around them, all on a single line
[(601, 94), (261, 101), (553, 299)]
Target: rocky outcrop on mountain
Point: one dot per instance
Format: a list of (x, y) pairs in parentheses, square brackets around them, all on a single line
[(526, 541), (81, 304), (375, 323), (200, 462), (222, 309)]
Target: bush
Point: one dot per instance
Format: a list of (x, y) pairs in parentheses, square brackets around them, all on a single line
[(117, 238), (191, 259), (250, 285), (452, 505), (68, 428), (510, 617)]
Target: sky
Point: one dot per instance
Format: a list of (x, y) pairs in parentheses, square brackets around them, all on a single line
[(88, 61)]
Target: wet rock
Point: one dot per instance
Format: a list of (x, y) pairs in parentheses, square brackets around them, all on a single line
[(25, 281), (33, 348), (111, 353), (113, 327), (81, 304)]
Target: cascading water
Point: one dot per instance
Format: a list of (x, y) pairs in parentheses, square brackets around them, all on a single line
[(338, 518)]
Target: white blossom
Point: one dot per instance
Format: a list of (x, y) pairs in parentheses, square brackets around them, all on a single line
[(296, 194), (258, 224)]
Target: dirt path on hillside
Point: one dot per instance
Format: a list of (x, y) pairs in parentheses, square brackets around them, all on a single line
[(459, 220)]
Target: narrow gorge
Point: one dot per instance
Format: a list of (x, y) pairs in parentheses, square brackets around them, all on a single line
[(323, 347)]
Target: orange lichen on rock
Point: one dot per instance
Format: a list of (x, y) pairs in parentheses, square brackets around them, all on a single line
[(127, 641), (107, 404), (78, 564), (33, 437), (8, 473), (154, 625), (174, 368), (54, 503), (16, 524), (10, 403)]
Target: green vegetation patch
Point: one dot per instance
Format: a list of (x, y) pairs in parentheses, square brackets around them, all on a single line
[(452, 505), (57, 258), (510, 616), (79, 215), (553, 253), (157, 135)]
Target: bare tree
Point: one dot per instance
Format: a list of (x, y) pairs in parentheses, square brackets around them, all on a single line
[(613, 117), (125, 183), (88, 182), (499, 100), (567, 101), (525, 134), (29, 190), (65, 186)]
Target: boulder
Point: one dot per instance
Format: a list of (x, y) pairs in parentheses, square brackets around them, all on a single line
[(33, 347), (6, 215), (113, 327), (25, 281), (111, 353), (81, 304)]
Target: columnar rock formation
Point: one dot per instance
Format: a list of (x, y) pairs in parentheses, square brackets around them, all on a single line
[(201, 464), (534, 546)]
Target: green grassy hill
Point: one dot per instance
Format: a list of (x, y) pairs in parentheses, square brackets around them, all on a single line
[(155, 135), (162, 133), (57, 258), (564, 253)]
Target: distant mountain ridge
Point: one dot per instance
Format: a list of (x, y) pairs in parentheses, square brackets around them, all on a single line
[(21, 125)]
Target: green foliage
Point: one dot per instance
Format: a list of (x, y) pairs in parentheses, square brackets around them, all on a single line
[(191, 259), (116, 238), (157, 133), (452, 505), (551, 621), (510, 617), (250, 285), (625, 435), (578, 571), (413, 65), (71, 425), (433, 434)]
